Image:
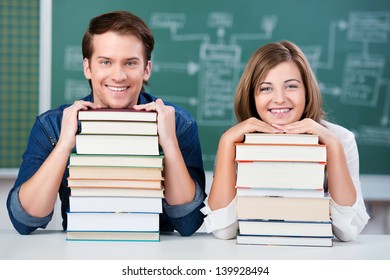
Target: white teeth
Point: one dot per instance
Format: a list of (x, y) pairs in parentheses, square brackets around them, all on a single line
[(280, 111), (117, 88)]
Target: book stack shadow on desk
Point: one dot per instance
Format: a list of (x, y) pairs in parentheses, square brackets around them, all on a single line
[(280, 195), (115, 177)]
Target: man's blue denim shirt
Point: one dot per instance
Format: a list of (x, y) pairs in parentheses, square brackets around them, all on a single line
[(186, 218)]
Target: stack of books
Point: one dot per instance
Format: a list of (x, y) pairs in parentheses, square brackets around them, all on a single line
[(280, 195), (115, 177)]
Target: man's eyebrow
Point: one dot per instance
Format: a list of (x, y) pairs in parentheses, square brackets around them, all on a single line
[(106, 57)]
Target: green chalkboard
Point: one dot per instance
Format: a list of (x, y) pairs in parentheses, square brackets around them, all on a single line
[(202, 47)]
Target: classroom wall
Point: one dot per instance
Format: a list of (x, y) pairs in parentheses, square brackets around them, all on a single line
[(339, 52)]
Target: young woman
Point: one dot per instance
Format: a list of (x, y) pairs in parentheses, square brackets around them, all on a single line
[(278, 93)]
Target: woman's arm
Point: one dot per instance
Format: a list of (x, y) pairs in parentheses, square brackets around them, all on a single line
[(348, 212), (220, 207), (340, 184), (223, 187)]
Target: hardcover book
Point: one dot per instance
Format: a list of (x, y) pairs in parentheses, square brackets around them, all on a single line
[(280, 192), (117, 144), (118, 192), (116, 160), (288, 175), (115, 172), (114, 183), (106, 114), (285, 240), (104, 221), (273, 138), (117, 127), (283, 208), (285, 228), (280, 152), (143, 236), (115, 204)]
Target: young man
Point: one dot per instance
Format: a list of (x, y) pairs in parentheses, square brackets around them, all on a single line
[(117, 50)]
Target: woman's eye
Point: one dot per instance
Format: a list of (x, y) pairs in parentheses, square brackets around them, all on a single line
[(292, 86), (265, 89)]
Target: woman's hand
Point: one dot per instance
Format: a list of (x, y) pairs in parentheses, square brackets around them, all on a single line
[(236, 133), (223, 188), (308, 126)]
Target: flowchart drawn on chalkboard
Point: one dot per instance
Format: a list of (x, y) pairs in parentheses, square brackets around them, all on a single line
[(219, 63), (201, 51)]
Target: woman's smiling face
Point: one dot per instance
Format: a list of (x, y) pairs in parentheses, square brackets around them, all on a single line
[(280, 97)]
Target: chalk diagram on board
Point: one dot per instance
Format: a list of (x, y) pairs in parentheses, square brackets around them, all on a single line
[(362, 78), (219, 65)]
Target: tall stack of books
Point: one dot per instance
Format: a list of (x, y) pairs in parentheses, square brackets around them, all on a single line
[(280, 194), (115, 177)]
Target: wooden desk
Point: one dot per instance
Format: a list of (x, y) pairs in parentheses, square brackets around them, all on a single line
[(46, 244)]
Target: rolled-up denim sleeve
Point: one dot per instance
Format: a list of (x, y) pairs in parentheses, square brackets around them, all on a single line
[(22, 221), (178, 211), (38, 149), (186, 218)]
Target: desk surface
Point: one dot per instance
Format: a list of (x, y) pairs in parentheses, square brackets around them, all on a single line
[(46, 244)]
